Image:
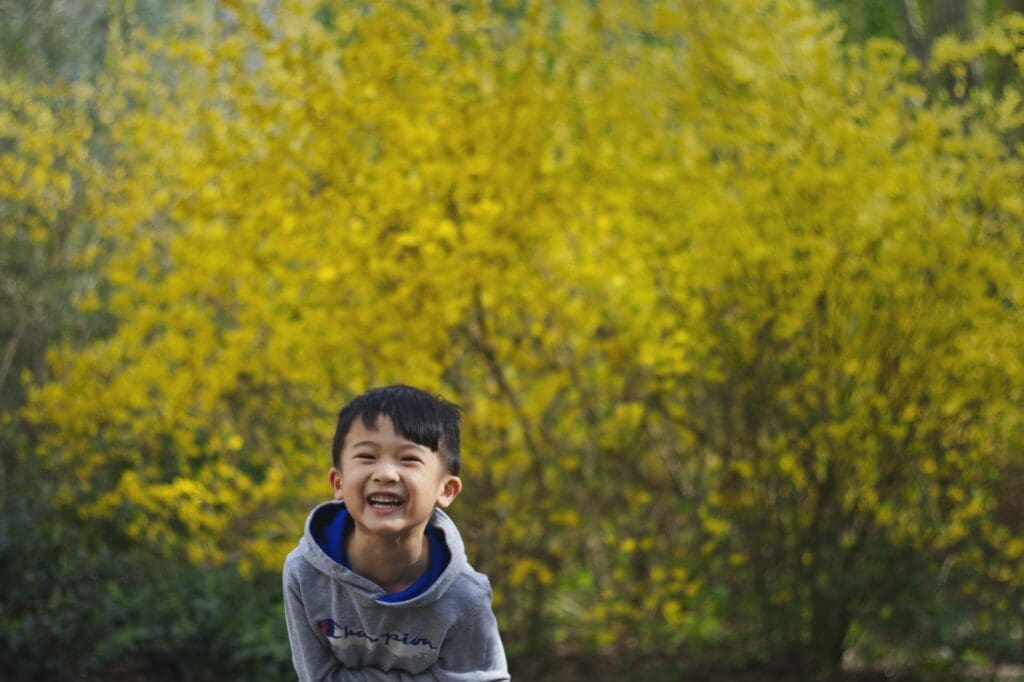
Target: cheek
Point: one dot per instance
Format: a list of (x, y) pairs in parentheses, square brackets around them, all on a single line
[(417, 481)]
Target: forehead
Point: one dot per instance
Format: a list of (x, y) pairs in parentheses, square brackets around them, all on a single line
[(382, 434)]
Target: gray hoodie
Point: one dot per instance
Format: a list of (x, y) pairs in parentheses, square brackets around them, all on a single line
[(338, 629)]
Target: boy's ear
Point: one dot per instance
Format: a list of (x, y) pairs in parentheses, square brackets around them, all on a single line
[(334, 476), (450, 489)]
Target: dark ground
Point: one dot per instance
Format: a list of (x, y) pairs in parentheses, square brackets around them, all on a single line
[(593, 671), (570, 667), (598, 669)]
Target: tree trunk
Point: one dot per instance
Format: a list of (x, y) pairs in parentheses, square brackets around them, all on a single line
[(914, 35), (949, 16), (830, 623)]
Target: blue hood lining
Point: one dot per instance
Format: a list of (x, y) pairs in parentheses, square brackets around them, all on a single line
[(332, 523)]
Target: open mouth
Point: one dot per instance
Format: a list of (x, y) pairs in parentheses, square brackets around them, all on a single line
[(379, 501)]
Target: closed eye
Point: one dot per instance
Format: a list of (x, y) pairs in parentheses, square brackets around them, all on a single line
[(365, 456), (412, 459)]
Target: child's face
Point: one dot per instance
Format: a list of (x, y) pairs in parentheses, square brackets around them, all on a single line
[(390, 485)]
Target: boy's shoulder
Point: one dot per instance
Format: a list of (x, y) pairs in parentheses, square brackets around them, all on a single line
[(469, 591), (307, 566), (296, 566)]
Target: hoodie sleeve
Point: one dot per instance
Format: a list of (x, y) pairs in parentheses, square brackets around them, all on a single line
[(473, 649), (311, 653)]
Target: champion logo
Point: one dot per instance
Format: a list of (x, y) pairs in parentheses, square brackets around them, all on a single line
[(334, 630)]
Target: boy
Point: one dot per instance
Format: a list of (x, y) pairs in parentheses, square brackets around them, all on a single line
[(379, 587)]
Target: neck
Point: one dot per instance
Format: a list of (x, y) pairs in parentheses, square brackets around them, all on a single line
[(392, 563)]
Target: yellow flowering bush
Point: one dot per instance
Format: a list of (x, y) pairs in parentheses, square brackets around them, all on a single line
[(733, 309)]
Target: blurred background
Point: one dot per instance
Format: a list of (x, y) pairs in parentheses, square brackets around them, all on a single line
[(729, 291)]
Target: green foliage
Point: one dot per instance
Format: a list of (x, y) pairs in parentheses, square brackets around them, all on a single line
[(867, 19), (82, 605)]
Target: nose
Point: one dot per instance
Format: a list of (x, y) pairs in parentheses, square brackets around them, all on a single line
[(385, 472)]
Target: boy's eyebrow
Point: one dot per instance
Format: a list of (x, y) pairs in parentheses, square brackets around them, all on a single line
[(411, 445), (404, 446)]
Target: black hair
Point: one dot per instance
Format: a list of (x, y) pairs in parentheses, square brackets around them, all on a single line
[(425, 419)]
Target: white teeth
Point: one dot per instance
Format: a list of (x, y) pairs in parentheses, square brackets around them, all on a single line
[(384, 501)]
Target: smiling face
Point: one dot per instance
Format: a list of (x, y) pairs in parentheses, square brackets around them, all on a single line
[(390, 485)]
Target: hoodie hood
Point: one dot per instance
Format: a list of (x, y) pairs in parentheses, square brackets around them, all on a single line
[(363, 589)]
